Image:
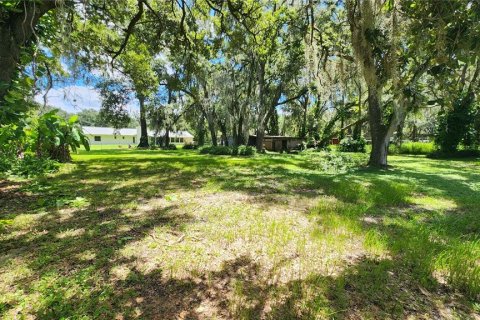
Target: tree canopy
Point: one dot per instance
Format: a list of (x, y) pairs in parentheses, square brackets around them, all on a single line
[(227, 69)]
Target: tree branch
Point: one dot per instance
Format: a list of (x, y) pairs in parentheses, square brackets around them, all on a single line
[(129, 30), (301, 93)]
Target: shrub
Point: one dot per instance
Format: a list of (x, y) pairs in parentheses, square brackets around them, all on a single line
[(241, 150), (31, 166), (5, 164), (54, 137), (220, 150), (456, 124), (205, 150), (349, 144), (189, 146), (170, 146), (333, 162), (246, 150), (468, 153), (216, 150)]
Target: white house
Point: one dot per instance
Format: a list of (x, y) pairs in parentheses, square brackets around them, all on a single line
[(175, 136), (111, 136)]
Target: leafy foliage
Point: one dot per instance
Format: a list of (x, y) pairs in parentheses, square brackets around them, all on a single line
[(349, 144), (54, 137), (170, 146), (115, 98), (32, 166), (246, 150), (189, 146), (456, 125), (216, 150)]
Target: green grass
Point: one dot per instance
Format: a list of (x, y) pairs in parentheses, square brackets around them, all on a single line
[(175, 234), (411, 147)]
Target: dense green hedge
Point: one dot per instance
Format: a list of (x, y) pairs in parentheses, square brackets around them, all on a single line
[(224, 150), (352, 145), (189, 146)]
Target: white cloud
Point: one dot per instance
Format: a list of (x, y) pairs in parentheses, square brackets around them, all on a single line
[(72, 98), (75, 98)]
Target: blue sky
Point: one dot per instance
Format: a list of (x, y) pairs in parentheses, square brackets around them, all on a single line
[(76, 93), (72, 98)]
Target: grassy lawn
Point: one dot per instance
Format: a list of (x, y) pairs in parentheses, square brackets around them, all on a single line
[(126, 234)]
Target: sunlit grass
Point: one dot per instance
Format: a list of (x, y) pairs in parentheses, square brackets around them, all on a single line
[(172, 234)]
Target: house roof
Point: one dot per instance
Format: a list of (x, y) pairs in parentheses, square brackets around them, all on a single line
[(171, 134), (109, 131), (133, 132)]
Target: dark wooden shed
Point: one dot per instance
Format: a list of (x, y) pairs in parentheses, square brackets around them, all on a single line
[(277, 143)]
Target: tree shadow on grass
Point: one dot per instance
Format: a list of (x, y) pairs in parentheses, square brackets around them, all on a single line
[(76, 252), (434, 247), (241, 289)]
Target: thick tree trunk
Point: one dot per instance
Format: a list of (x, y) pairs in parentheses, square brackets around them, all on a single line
[(143, 124), (378, 155), (211, 127), (260, 137), (262, 109), (213, 134), (166, 137), (61, 153), (399, 134), (378, 131), (240, 138), (223, 130), (414, 133), (201, 131), (16, 29)]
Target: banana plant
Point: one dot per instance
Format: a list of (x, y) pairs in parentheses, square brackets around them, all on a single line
[(54, 136)]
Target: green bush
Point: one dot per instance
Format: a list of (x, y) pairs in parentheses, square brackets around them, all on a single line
[(170, 146), (456, 125), (31, 166), (333, 162), (205, 150), (6, 164), (53, 137), (349, 144), (246, 150), (220, 150), (241, 150), (216, 150), (457, 154), (189, 146)]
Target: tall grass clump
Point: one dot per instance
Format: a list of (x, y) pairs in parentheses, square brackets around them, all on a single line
[(460, 265), (411, 147)]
